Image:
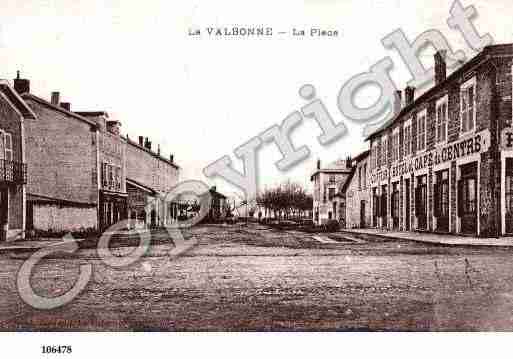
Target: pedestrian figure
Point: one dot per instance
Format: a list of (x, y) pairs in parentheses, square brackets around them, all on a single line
[(437, 272), (468, 270)]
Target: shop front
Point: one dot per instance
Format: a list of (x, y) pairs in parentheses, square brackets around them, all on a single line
[(444, 190)]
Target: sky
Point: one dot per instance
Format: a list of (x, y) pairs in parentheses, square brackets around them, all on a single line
[(200, 98)]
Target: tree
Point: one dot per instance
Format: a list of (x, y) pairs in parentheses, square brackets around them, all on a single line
[(288, 200)]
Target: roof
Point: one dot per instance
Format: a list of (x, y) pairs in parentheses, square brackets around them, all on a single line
[(154, 154), (339, 166), (362, 156), (333, 171), (348, 180), (28, 96), (16, 101), (483, 56), (92, 113), (134, 183), (357, 159)]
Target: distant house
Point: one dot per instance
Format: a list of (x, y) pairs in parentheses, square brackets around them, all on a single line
[(355, 193), (327, 184), (218, 205)]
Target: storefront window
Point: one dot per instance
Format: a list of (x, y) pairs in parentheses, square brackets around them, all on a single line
[(509, 196)]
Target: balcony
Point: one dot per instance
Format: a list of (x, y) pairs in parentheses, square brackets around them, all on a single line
[(13, 172), (113, 186)]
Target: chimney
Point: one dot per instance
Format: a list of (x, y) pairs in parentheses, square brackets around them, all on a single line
[(141, 141), (21, 85), (398, 102), (171, 158), (55, 98), (318, 164), (440, 66), (147, 143), (66, 106), (158, 149), (409, 94), (348, 162), (114, 127)]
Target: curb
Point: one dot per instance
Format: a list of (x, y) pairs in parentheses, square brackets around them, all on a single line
[(25, 249), (418, 240)]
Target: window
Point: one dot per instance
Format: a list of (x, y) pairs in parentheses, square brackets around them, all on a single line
[(111, 177), (365, 176), (384, 158), (359, 178), (441, 122), (8, 146), (421, 131), (332, 178), (468, 106), (395, 147), (331, 193), (374, 157), (407, 140)]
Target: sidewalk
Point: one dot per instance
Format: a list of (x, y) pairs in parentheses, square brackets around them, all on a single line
[(443, 239), (31, 246)]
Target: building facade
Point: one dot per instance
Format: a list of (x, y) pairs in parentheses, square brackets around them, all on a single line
[(61, 156), (445, 162), (111, 147), (13, 172), (356, 194), (150, 177), (327, 183), (65, 171)]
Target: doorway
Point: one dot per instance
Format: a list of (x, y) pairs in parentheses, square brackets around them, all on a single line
[(384, 200), (442, 201), (375, 207), (421, 202), (467, 199), (509, 196), (362, 214), (4, 211), (395, 205), (407, 204)]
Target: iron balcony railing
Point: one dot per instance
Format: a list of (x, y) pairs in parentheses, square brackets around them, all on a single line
[(13, 172)]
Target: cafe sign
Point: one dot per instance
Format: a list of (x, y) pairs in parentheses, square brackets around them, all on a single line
[(464, 147)]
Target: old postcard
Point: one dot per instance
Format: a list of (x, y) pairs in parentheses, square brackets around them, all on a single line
[(259, 166)]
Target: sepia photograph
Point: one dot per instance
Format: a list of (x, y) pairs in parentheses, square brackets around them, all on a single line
[(318, 171)]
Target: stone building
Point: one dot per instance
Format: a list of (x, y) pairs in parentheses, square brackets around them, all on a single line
[(328, 182), (13, 172), (61, 156), (81, 175), (150, 177), (112, 201), (355, 192), (445, 162)]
